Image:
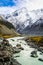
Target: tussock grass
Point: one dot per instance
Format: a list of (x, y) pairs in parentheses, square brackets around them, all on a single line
[(36, 39), (8, 36)]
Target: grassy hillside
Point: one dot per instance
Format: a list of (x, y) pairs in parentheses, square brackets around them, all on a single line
[(7, 30)]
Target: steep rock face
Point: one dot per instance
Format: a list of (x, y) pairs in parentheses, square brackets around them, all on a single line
[(36, 28), (6, 23)]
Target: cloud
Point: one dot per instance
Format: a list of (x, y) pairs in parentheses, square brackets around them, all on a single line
[(7, 6), (17, 4), (29, 4), (7, 10)]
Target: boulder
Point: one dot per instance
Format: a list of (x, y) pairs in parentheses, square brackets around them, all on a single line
[(19, 46), (34, 54), (40, 59)]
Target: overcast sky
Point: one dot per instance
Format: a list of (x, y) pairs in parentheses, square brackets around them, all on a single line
[(7, 6)]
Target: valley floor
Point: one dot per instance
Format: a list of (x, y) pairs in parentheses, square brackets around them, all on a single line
[(24, 56)]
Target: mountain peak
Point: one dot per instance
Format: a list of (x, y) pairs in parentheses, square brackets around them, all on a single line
[(21, 18)]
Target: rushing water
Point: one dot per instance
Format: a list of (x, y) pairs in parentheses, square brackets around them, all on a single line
[(24, 56)]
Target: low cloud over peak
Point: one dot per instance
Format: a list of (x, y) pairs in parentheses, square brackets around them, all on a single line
[(11, 5)]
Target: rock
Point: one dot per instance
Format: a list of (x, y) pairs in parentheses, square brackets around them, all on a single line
[(19, 46), (17, 50), (40, 59), (17, 56), (12, 39), (40, 49), (6, 53), (14, 62), (34, 54), (1, 63), (41, 53)]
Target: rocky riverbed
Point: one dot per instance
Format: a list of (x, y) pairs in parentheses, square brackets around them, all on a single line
[(15, 51), (6, 53), (24, 56)]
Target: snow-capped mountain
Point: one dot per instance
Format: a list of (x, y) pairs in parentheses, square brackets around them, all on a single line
[(22, 18), (21, 15)]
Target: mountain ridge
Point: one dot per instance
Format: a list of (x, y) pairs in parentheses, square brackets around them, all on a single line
[(22, 19)]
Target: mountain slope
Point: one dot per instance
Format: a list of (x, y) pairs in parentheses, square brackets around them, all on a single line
[(6, 29), (5, 22), (36, 28), (20, 18)]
